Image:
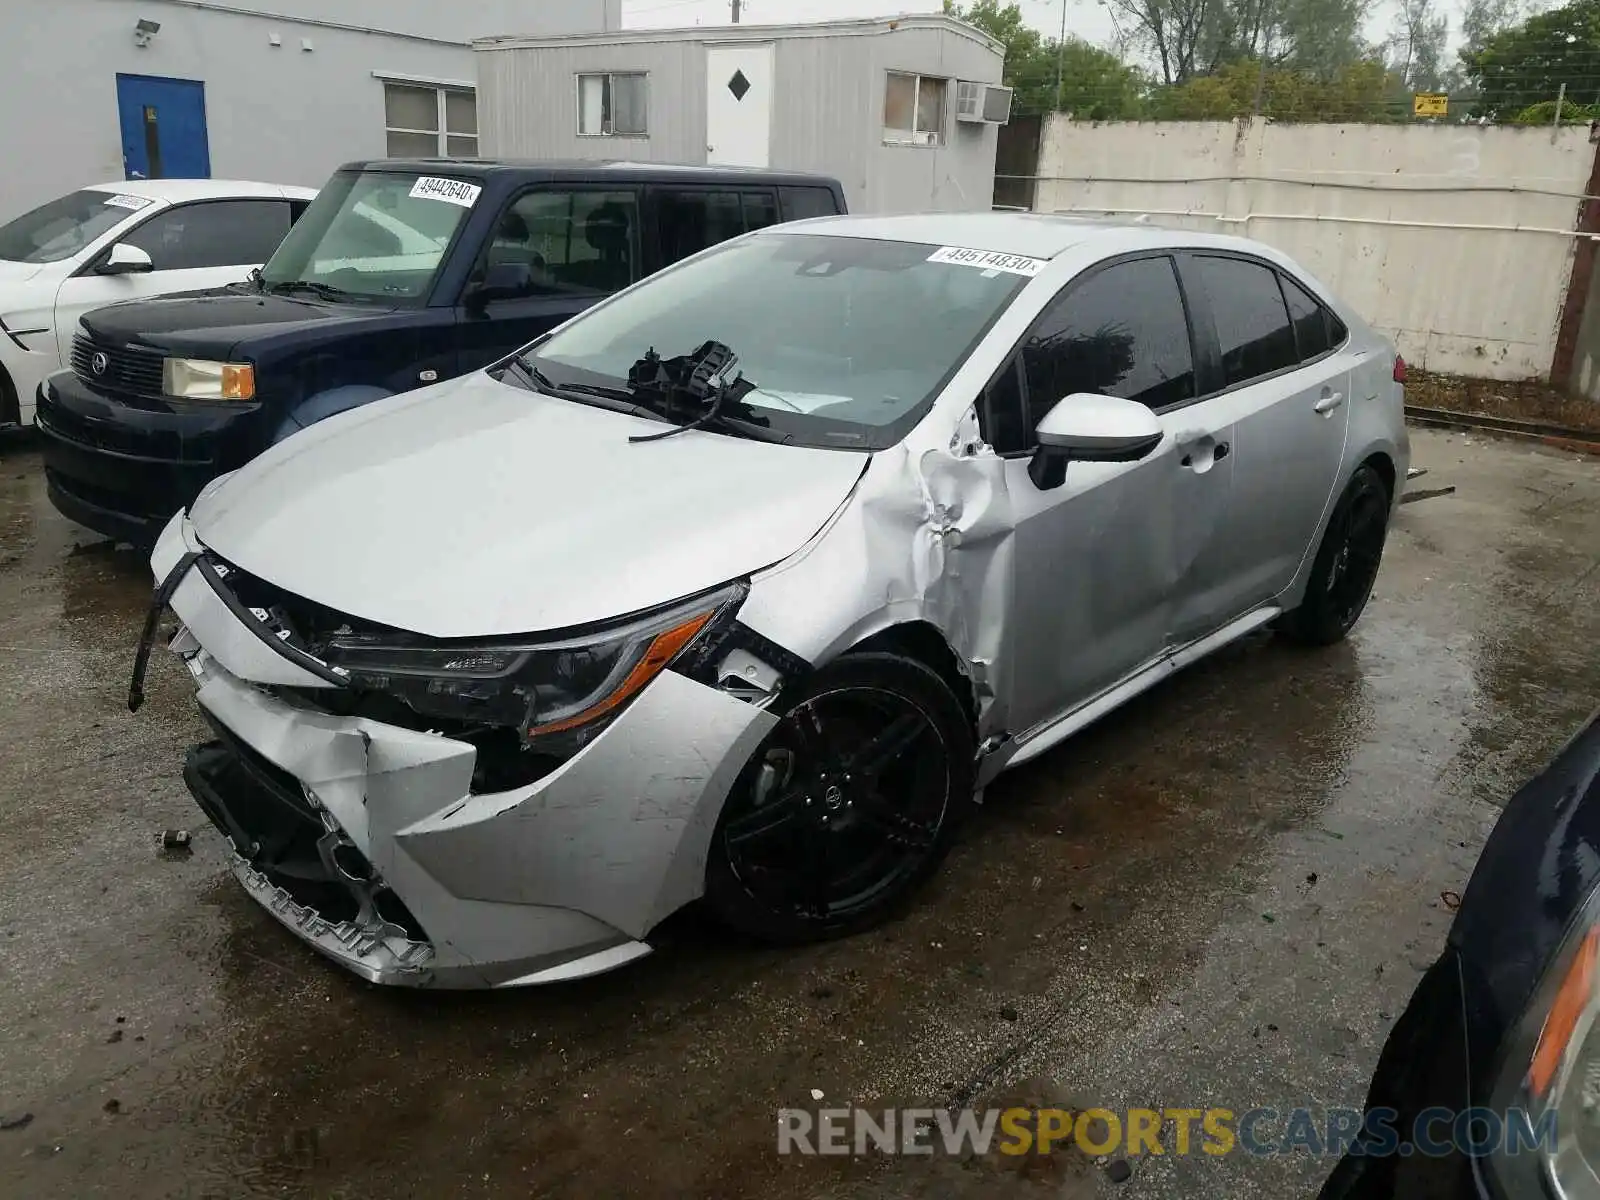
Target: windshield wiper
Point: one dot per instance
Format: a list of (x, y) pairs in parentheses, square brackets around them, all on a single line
[(615, 399), (325, 291), (635, 402), (701, 378)]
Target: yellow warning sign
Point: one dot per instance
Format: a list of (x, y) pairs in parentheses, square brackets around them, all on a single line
[(1430, 104)]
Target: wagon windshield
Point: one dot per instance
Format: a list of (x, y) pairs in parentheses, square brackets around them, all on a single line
[(847, 340), (372, 235)]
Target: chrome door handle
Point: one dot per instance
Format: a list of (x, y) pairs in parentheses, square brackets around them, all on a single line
[(1328, 403)]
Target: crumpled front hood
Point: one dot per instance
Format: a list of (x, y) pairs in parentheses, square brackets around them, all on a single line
[(475, 508)]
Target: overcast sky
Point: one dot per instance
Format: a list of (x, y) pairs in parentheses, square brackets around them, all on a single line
[(1086, 19)]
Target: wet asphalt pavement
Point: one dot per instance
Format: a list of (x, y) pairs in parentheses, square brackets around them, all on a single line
[(1221, 895)]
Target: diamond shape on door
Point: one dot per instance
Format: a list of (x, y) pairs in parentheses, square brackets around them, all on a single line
[(739, 85)]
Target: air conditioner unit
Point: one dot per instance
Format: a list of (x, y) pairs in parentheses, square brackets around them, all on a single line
[(983, 103)]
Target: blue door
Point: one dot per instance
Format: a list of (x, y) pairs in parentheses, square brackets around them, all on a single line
[(163, 127)]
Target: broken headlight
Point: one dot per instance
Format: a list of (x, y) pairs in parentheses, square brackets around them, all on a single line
[(564, 690)]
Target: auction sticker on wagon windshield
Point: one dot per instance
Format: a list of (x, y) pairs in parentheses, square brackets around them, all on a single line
[(988, 260), (451, 191)]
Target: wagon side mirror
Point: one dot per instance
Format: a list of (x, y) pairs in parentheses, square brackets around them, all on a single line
[(1085, 427), (502, 281), (125, 259)]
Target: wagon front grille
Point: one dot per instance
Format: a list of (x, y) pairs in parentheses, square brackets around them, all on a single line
[(124, 369)]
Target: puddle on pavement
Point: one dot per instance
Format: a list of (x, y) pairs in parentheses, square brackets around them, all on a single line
[(1112, 897)]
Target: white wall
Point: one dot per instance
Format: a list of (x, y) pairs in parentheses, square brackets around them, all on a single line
[(279, 114), (1452, 239)]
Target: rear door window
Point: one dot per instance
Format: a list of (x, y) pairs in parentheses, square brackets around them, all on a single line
[(760, 210), (1314, 325), (691, 220), (1121, 331), (1254, 336), (218, 233), (800, 203)]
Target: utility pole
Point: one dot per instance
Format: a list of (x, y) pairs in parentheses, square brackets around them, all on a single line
[(735, 12), (1061, 49)]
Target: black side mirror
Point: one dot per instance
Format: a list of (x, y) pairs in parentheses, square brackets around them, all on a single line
[(502, 281)]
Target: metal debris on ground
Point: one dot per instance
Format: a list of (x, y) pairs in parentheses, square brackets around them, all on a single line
[(1427, 494), (175, 839)]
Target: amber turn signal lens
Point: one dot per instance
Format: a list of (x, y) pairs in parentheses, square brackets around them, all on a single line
[(1575, 994), (663, 649)]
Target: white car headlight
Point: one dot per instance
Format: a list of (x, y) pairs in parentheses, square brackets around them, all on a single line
[(1551, 1073), (202, 379)]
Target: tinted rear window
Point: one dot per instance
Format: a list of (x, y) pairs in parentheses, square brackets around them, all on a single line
[(800, 203), (1253, 331), (1312, 332)]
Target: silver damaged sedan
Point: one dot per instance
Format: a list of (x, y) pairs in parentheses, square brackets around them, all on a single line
[(742, 585)]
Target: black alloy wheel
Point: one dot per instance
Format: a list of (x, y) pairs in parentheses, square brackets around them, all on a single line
[(1346, 565), (850, 802)]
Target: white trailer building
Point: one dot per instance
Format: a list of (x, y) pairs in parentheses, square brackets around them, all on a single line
[(276, 90), (903, 111)]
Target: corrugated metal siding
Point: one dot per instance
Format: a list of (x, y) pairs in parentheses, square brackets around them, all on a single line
[(957, 176), (528, 101), (823, 87), (827, 117)]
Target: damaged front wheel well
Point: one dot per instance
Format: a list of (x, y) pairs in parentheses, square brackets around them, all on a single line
[(923, 642)]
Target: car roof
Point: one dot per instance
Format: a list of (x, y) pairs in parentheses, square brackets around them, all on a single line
[(1031, 235), (175, 191), (541, 170)]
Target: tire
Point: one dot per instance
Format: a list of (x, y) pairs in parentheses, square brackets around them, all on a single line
[(871, 764), (1346, 565)]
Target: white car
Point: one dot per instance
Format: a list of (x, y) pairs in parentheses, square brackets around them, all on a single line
[(123, 241)]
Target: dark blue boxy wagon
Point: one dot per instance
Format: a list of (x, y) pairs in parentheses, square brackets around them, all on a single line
[(401, 273)]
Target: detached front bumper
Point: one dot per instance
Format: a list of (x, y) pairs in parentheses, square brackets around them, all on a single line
[(365, 840)]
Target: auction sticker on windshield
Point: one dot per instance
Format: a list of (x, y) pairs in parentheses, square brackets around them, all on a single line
[(987, 260), (132, 203), (451, 191)]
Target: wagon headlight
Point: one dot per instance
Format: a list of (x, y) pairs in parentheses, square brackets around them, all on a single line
[(202, 379), (1548, 1091), (547, 690)]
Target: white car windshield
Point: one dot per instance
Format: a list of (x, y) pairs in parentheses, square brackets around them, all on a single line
[(64, 226), (373, 235), (845, 339)]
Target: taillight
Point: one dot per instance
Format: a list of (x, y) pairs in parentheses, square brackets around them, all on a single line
[(1399, 369)]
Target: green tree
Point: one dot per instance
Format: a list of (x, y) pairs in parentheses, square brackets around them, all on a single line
[(1417, 45), (1095, 83), (1361, 91), (1529, 62), (1189, 38)]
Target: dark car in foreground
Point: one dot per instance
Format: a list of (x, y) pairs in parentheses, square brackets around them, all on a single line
[(402, 273), (1489, 1085)]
